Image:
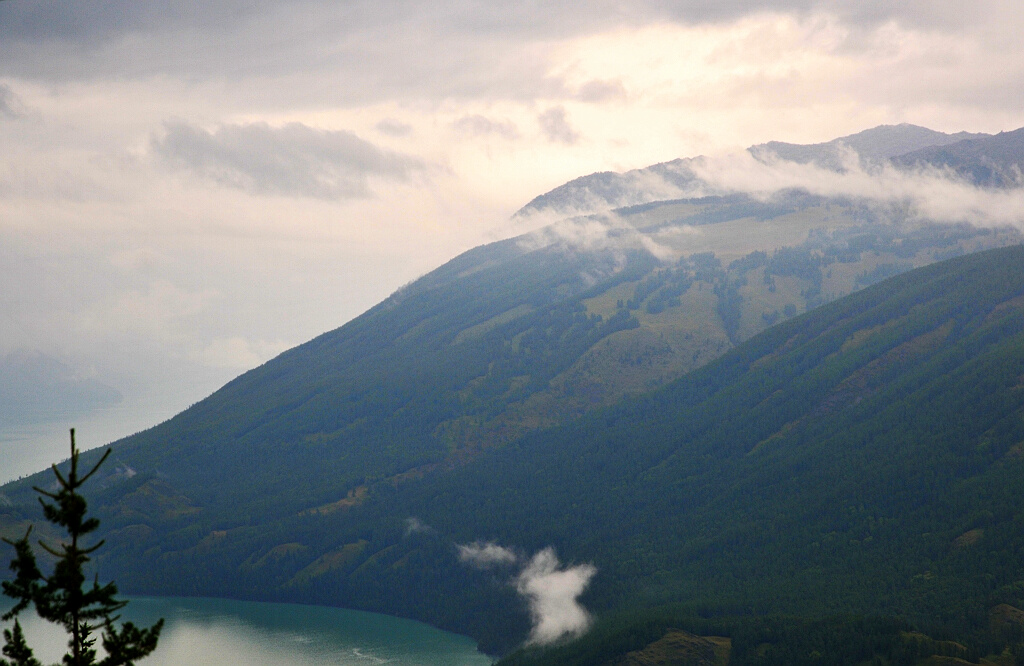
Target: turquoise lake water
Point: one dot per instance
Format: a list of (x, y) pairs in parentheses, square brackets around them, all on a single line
[(218, 632)]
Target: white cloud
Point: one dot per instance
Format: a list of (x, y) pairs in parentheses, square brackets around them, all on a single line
[(596, 233), (414, 525), (238, 353), (553, 592), (930, 193), (486, 555)]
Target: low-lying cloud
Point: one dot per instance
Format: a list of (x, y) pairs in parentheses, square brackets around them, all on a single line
[(551, 590), (596, 233), (929, 193), (239, 353), (486, 555), (414, 525), (606, 191), (293, 160), (580, 215)]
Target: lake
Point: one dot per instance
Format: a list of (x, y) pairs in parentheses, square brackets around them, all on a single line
[(219, 632), (33, 444)]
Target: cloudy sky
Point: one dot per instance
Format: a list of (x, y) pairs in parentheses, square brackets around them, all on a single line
[(187, 189)]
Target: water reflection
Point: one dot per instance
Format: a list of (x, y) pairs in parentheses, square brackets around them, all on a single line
[(215, 632)]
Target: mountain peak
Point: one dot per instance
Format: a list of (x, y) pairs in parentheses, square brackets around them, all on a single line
[(878, 143)]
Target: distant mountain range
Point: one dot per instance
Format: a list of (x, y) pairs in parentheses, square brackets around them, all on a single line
[(991, 161), (986, 160), (884, 142), (732, 404), (35, 386)]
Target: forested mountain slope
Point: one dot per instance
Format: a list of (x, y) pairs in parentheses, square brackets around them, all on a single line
[(516, 336), (864, 457)]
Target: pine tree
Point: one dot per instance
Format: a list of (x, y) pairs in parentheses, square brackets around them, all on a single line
[(63, 597)]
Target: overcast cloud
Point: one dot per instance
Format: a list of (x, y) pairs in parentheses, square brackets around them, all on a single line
[(187, 188)]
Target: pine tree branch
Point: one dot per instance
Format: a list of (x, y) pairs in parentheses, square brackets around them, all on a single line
[(106, 454)]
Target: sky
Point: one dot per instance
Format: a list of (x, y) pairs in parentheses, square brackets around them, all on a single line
[(188, 189)]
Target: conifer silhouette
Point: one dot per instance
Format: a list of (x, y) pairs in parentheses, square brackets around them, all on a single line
[(63, 597)]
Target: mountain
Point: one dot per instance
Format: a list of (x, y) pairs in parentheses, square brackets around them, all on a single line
[(506, 396), (606, 190), (862, 458), (521, 335), (283, 484), (989, 161), (35, 386), (877, 144)]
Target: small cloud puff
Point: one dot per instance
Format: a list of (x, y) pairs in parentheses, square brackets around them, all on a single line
[(477, 125), (551, 590), (414, 525), (556, 128), (486, 555), (238, 353), (553, 593)]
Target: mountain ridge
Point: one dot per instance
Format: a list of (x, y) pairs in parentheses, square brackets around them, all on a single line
[(878, 143), (905, 146), (990, 161)]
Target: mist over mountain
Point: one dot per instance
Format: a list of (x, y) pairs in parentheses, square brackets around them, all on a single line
[(607, 190), (984, 160)]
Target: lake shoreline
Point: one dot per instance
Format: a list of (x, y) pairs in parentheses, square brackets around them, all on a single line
[(209, 630)]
